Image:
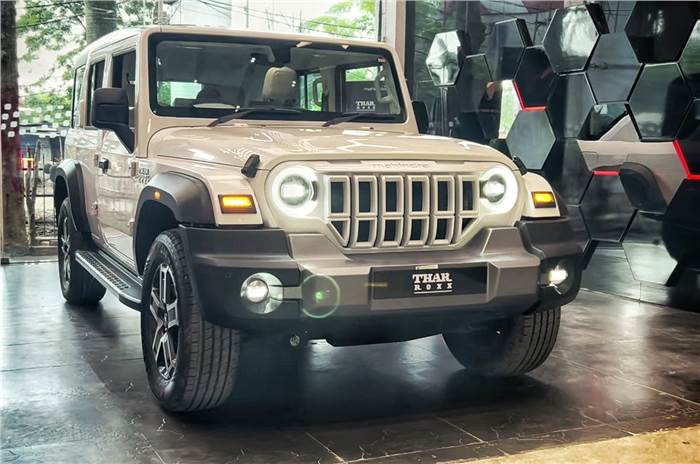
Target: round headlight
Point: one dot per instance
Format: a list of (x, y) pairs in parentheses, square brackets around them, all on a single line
[(293, 191), (498, 189)]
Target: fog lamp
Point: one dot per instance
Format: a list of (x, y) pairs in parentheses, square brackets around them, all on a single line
[(262, 293), (557, 276), (256, 291)]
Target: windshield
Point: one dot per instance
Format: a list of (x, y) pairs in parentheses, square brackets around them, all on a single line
[(213, 76)]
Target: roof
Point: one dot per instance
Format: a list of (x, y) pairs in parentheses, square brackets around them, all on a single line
[(123, 34)]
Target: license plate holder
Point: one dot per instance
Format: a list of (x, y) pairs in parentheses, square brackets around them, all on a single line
[(418, 281)]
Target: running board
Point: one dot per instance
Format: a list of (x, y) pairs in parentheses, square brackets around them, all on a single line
[(112, 275)]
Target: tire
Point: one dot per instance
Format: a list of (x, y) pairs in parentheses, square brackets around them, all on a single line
[(191, 364), (507, 347), (78, 286)]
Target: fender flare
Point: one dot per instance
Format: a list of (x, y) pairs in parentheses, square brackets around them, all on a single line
[(186, 196), (70, 171)]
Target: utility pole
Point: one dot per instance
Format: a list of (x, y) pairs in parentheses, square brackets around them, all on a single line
[(247, 14)]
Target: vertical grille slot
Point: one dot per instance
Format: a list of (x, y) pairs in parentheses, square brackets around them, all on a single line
[(364, 211), (442, 210), (418, 210), (338, 202), (467, 204), (391, 211)]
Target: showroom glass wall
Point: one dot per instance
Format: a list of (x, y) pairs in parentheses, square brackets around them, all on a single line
[(601, 98)]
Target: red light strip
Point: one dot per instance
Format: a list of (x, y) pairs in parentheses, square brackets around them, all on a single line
[(684, 162), (605, 173), (522, 104)]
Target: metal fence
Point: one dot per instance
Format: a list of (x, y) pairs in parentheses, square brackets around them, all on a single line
[(42, 147)]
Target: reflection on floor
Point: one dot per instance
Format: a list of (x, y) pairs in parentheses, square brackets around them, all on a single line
[(73, 390), (609, 272)]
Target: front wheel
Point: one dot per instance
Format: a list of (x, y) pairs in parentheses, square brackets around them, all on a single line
[(507, 347), (191, 364)]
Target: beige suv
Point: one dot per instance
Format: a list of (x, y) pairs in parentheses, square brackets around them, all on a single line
[(237, 186)]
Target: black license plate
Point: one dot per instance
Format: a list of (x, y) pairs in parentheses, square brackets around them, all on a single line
[(404, 283)]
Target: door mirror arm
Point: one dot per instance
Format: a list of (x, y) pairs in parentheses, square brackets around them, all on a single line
[(110, 111)]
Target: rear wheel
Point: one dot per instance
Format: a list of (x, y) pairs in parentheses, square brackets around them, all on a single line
[(191, 363), (507, 347), (78, 286)]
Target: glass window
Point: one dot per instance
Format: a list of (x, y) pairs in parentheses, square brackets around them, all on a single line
[(124, 76), (209, 77), (97, 71), (77, 87)]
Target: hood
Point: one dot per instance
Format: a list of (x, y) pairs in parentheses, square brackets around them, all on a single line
[(233, 144)]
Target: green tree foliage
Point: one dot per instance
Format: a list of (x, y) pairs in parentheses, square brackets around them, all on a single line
[(48, 107), (60, 25), (348, 18)]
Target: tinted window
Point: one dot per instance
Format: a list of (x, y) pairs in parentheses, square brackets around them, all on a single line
[(124, 77), (97, 71)]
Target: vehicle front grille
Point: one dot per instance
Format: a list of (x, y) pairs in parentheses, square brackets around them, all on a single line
[(398, 210)]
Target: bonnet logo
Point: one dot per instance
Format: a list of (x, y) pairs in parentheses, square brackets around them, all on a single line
[(432, 282)]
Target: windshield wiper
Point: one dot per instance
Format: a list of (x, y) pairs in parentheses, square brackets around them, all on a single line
[(347, 117), (243, 112)]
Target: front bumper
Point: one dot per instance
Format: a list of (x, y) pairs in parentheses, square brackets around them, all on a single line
[(514, 260)]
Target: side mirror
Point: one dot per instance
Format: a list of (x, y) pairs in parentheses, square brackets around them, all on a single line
[(422, 119), (110, 111)]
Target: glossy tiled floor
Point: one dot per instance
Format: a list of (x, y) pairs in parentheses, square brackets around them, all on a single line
[(73, 390)]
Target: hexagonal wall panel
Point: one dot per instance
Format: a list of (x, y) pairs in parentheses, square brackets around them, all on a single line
[(606, 209), (601, 119), (690, 60), (569, 104), (504, 47), (689, 139), (571, 36), (616, 14), (566, 170), (645, 249), (613, 68), (490, 110), (446, 56), (579, 225), (534, 78), (659, 101), (658, 30), (531, 138), (471, 82), (680, 228)]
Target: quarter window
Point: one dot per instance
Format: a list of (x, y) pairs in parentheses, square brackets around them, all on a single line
[(77, 87)]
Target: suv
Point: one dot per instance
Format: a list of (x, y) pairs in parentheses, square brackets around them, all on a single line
[(237, 186)]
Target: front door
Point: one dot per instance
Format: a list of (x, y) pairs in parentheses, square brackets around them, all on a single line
[(117, 183)]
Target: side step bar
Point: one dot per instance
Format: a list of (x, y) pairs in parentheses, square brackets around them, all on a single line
[(113, 276)]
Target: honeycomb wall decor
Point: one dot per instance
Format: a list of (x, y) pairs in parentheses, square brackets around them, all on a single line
[(612, 84)]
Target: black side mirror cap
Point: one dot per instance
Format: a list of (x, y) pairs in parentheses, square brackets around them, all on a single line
[(422, 119), (110, 111)]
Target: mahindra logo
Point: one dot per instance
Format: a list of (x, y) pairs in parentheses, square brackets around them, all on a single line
[(432, 282)]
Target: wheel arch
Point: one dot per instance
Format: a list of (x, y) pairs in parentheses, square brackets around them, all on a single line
[(168, 200), (68, 183)]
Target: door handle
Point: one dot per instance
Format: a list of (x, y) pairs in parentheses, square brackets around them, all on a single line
[(103, 164)]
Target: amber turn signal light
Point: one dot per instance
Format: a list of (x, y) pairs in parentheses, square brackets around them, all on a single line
[(236, 204), (544, 199)]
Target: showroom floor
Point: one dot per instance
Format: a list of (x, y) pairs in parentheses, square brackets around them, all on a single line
[(73, 389)]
